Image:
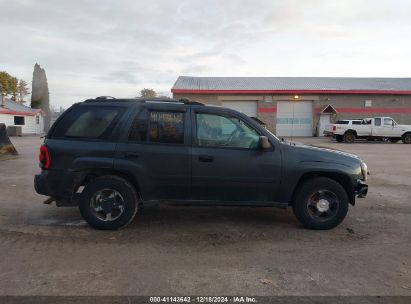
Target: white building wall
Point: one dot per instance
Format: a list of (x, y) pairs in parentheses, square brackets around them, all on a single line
[(30, 126)]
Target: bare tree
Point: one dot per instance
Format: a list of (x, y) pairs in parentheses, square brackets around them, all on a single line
[(40, 93)]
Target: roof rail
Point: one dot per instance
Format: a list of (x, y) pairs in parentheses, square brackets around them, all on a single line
[(147, 100), (181, 101), (191, 102), (105, 97)]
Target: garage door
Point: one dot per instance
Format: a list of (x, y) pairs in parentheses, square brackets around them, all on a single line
[(294, 118), (249, 108)]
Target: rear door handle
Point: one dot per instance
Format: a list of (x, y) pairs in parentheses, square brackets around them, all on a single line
[(206, 158)]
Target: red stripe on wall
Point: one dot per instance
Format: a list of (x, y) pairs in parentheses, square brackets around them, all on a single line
[(267, 110), (385, 92), (373, 110), (350, 110)]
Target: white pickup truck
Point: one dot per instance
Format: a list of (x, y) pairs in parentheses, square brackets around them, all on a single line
[(373, 128)]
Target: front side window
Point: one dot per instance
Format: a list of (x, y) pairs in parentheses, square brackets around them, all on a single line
[(87, 122), (388, 122), (225, 131)]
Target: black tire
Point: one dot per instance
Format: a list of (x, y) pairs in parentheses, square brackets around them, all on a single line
[(406, 138), (302, 204), (349, 137), (124, 194), (339, 138)]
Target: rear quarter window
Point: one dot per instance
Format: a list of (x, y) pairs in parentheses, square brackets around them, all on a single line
[(88, 122)]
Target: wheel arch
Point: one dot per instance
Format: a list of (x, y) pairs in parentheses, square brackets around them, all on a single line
[(88, 175), (341, 178), (406, 133), (351, 131)]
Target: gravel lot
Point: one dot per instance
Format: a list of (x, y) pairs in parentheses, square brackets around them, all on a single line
[(209, 251)]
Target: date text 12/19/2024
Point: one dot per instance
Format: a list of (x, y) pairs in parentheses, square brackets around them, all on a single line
[(203, 299)]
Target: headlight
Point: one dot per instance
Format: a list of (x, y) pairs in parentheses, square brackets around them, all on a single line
[(364, 170)]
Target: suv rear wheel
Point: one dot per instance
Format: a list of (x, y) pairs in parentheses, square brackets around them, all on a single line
[(320, 203), (108, 202)]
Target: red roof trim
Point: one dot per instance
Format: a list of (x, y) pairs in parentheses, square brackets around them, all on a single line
[(18, 113), (384, 92)]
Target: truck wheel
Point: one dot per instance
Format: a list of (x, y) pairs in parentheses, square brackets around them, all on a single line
[(349, 137), (320, 203), (406, 138), (108, 202), (339, 138)]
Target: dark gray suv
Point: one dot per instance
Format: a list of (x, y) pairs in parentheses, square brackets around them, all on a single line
[(110, 156)]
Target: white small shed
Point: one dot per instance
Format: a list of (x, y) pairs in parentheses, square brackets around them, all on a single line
[(13, 113)]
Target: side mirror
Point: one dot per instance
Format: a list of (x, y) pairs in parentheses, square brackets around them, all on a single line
[(264, 143)]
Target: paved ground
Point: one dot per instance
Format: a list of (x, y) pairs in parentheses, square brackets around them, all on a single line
[(46, 250)]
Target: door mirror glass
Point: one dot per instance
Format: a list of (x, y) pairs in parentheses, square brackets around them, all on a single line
[(264, 143)]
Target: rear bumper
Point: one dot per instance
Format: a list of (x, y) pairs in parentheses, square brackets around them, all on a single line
[(361, 189), (56, 183)]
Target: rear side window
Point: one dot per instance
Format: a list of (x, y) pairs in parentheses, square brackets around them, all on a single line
[(159, 127), (139, 129), (356, 122), (377, 121), (87, 122), (342, 122)]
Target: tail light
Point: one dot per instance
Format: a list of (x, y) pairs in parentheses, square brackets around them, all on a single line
[(44, 158), (334, 128)]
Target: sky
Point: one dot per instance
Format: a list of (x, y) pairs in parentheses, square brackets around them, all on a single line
[(91, 48)]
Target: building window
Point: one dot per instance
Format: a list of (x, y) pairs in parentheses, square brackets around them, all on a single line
[(38, 120), (19, 120)]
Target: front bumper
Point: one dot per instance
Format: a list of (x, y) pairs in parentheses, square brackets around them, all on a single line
[(361, 189)]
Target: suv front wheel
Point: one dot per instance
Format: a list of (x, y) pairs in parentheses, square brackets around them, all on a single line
[(320, 203), (108, 202)]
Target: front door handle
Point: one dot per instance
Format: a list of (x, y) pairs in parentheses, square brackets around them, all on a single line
[(206, 158), (132, 155)]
